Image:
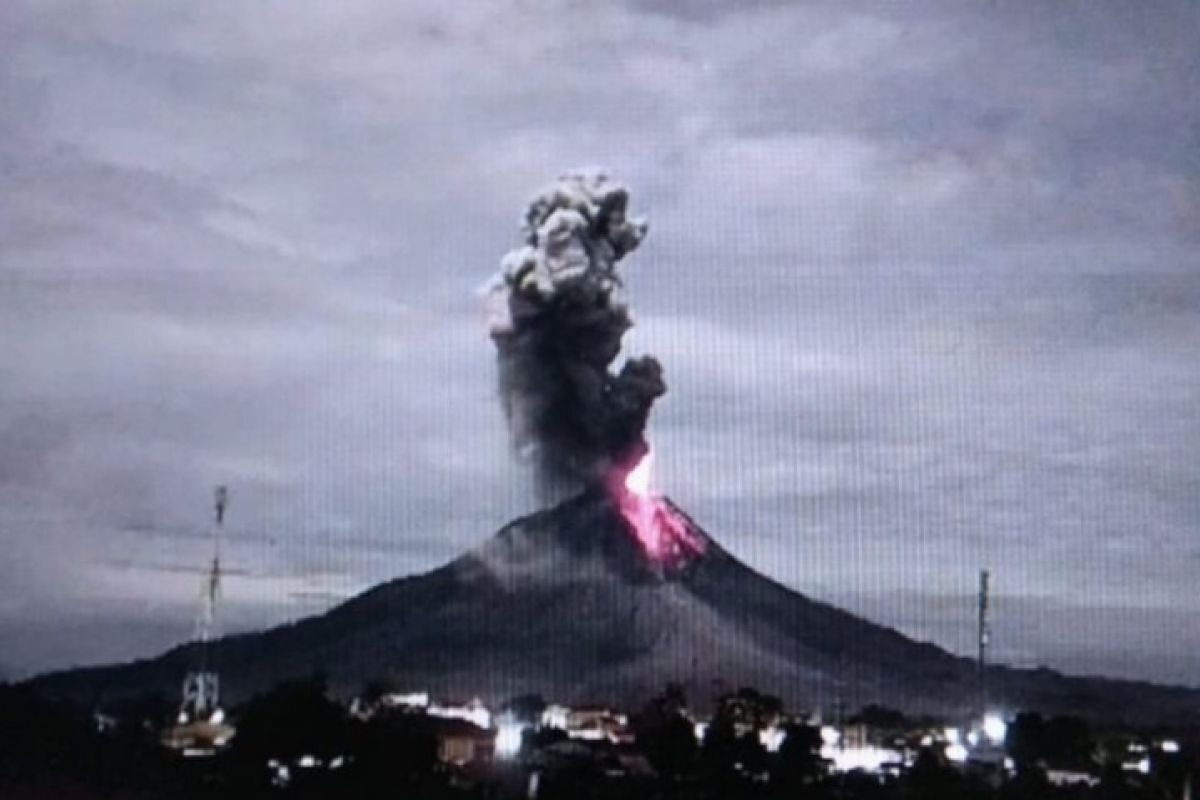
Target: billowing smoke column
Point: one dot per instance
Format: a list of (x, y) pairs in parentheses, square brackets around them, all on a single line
[(557, 321), (557, 324)]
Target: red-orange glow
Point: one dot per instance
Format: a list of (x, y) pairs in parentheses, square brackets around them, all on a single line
[(664, 535)]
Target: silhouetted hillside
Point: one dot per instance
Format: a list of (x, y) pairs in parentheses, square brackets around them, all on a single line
[(564, 603)]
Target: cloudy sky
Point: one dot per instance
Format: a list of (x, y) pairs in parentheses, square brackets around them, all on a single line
[(924, 279)]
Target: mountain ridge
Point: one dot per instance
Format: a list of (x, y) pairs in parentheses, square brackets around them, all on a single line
[(565, 603)]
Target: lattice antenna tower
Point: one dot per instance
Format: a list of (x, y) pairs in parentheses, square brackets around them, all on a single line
[(202, 686)]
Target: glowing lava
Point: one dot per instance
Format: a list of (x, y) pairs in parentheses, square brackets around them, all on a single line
[(638, 480), (665, 536)]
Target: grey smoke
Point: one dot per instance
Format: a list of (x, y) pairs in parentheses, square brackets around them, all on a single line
[(558, 319)]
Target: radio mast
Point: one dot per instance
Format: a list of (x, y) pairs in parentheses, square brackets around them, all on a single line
[(201, 687), (985, 635)]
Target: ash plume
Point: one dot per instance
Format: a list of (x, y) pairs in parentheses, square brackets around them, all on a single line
[(557, 322)]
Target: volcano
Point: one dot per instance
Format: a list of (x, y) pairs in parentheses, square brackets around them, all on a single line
[(565, 602)]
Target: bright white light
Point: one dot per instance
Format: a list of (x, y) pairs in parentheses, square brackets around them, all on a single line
[(1170, 746), (995, 728), (474, 713), (830, 735), (508, 739), (555, 717), (699, 729), (217, 717), (771, 739), (956, 753), (307, 762), (973, 738), (588, 734), (952, 735), (181, 719), (409, 700), (1143, 766), (638, 479), (867, 759)]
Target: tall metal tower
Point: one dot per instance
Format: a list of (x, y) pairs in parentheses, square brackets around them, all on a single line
[(201, 686), (985, 635)]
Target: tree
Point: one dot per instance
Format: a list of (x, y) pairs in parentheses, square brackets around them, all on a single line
[(1030, 783), (931, 778), (1025, 741), (749, 707), (1068, 742), (727, 756), (394, 748), (293, 720), (1114, 785), (665, 735), (670, 746), (799, 762)]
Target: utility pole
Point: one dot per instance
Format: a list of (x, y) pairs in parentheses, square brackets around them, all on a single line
[(985, 635)]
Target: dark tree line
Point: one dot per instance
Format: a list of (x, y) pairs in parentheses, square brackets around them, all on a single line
[(53, 749)]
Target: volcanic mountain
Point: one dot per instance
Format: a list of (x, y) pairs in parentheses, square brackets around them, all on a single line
[(566, 603)]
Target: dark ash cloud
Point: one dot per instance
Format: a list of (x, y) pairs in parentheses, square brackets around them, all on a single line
[(558, 321)]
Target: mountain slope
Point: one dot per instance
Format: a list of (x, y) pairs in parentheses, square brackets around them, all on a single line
[(563, 602)]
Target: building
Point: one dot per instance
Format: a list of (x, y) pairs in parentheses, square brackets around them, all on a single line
[(474, 712), (199, 737), (461, 742), (588, 723), (1071, 777), (408, 701)]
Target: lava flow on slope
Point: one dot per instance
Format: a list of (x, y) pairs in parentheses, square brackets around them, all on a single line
[(665, 536)]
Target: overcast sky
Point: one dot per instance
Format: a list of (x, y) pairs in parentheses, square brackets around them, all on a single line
[(924, 279)]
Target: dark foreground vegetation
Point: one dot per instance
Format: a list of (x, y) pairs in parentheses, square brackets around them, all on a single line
[(297, 743)]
